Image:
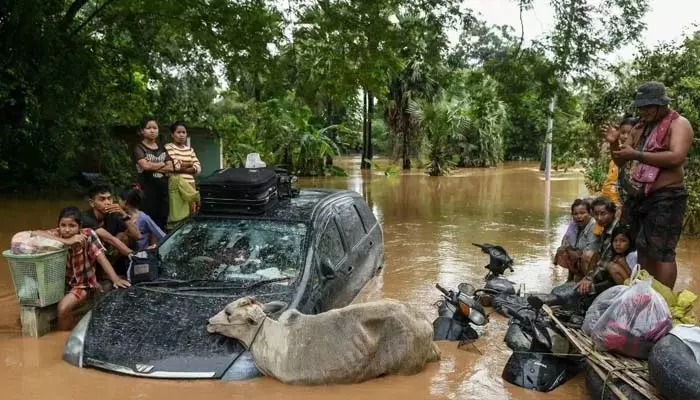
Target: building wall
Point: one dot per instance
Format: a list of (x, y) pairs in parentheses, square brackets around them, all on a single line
[(208, 152)]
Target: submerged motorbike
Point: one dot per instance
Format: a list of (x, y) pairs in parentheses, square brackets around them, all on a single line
[(569, 306), (540, 359), (542, 372), (499, 260), (496, 284), (456, 312), (530, 331)]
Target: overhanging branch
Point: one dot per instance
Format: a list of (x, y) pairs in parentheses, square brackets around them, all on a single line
[(72, 12), (91, 17)]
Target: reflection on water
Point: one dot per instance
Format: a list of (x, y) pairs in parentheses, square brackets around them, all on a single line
[(429, 225)]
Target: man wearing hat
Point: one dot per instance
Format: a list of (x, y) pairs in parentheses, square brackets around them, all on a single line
[(656, 198)]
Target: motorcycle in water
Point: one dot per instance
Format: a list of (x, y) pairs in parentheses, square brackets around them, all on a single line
[(540, 359), (456, 311), (496, 284), (499, 260), (568, 305), (529, 331)]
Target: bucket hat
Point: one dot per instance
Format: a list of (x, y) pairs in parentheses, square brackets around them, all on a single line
[(651, 94)]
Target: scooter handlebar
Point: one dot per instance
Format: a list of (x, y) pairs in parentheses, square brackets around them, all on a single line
[(444, 291)]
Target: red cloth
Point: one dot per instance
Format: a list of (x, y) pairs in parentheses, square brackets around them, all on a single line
[(81, 259), (656, 141)]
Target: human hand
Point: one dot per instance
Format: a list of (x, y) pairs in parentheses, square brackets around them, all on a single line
[(626, 152), (114, 209), (77, 239), (120, 283), (584, 286), (611, 133)]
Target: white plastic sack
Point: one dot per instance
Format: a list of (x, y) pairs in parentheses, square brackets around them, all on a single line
[(27, 243), (637, 319), (253, 161), (600, 305)]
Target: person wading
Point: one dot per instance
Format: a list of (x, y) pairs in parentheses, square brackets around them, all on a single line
[(656, 198)]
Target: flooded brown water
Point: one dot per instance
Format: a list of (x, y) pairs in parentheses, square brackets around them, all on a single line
[(429, 225)]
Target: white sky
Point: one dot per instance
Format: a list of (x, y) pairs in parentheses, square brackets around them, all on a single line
[(666, 20)]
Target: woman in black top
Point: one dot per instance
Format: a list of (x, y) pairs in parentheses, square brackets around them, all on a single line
[(152, 164)]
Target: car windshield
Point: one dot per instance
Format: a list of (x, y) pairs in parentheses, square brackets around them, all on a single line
[(234, 250)]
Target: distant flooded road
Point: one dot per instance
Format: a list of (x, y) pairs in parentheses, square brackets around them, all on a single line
[(429, 225)]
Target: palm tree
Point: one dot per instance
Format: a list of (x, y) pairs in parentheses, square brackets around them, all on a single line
[(444, 123), (413, 83)]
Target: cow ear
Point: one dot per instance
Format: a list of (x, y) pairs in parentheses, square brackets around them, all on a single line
[(274, 307)]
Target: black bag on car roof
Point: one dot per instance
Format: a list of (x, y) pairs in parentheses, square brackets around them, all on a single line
[(246, 190), (239, 190)]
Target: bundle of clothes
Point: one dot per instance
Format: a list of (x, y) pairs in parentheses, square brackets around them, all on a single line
[(28, 243)]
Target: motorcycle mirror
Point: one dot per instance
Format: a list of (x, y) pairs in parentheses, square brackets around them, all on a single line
[(467, 289), (535, 302)]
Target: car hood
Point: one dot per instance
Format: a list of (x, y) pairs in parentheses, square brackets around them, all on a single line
[(157, 333)]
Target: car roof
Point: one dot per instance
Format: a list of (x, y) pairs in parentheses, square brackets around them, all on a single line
[(297, 209)]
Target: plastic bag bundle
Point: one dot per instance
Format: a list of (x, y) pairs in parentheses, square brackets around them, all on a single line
[(27, 243), (679, 303), (637, 318), (600, 306)]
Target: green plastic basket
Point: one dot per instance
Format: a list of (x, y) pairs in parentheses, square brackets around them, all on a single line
[(39, 279)]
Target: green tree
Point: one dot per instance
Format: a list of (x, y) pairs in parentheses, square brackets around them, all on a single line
[(674, 64), (423, 35), (71, 69), (582, 34)]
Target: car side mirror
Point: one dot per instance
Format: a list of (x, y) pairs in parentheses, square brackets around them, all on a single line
[(327, 271)]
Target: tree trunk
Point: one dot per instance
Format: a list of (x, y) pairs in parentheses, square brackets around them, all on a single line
[(548, 143), (370, 115), (406, 139), (543, 157), (368, 109), (364, 130)]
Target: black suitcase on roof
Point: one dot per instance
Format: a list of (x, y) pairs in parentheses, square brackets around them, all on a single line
[(239, 190)]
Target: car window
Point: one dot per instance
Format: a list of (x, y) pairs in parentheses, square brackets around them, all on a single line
[(351, 224), (331, 246), (231, 249), (368, 219)]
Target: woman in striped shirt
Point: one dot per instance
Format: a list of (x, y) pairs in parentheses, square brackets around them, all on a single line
[(186, 162), (183, 198)]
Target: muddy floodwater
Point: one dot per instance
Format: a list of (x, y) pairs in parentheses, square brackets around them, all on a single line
[(429, 225)]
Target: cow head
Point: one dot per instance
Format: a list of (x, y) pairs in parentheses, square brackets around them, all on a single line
[(239, 319)]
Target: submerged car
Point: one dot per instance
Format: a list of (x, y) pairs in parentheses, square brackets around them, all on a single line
[(313, 252)]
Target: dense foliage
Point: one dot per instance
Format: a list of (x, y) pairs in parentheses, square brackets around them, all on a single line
[(303, 81), (674, 64)]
